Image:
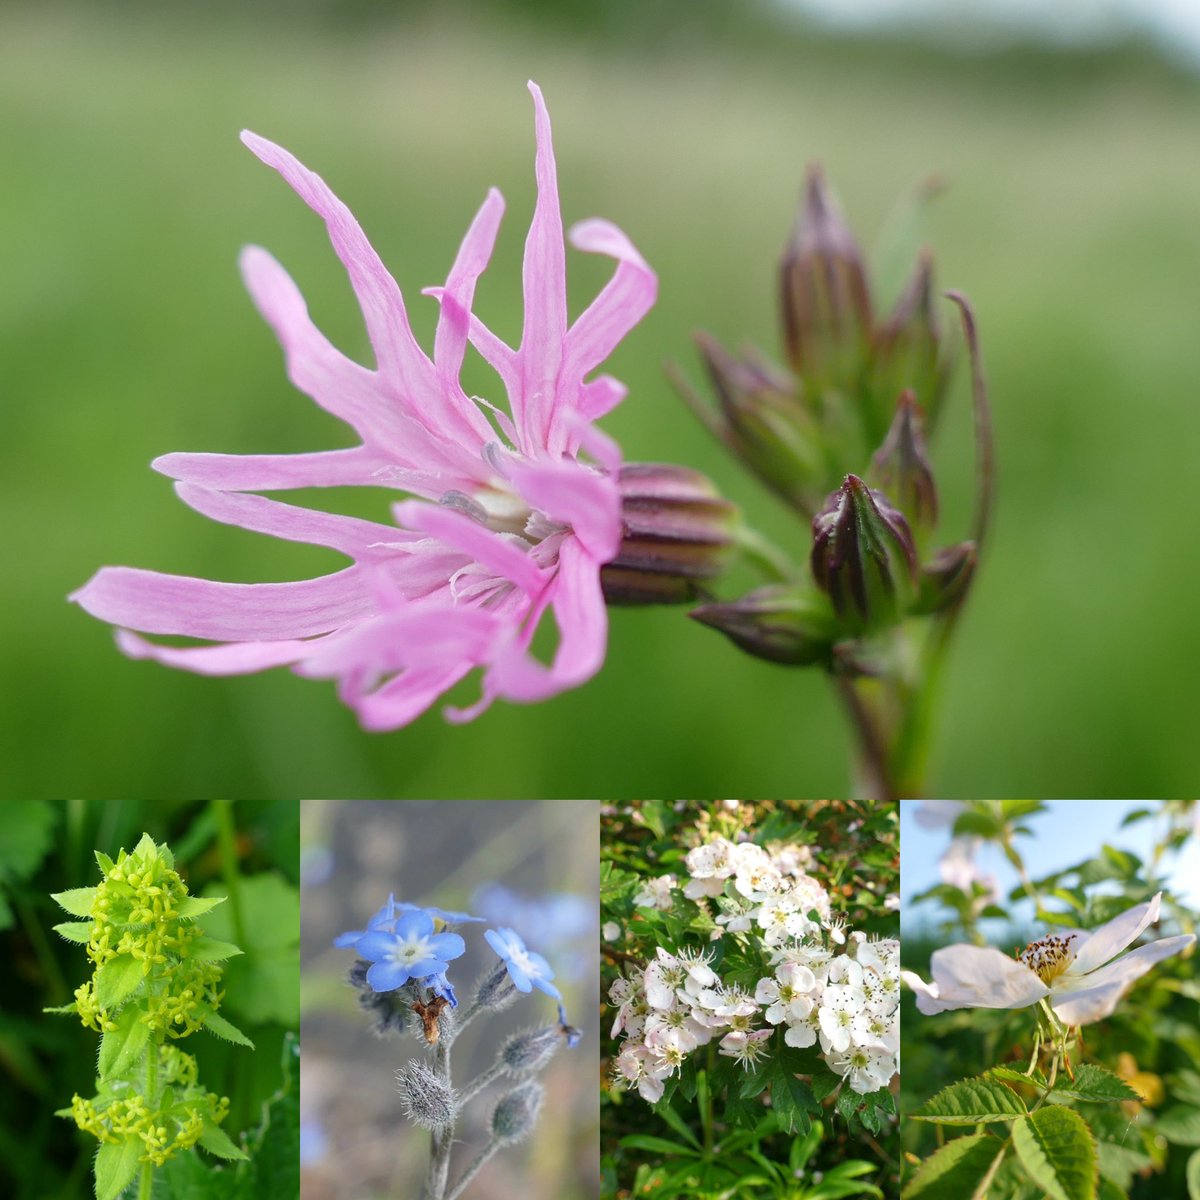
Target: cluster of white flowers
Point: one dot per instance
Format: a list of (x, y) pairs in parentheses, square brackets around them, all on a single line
[(841, 991)]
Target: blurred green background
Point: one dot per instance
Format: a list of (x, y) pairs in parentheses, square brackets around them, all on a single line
[(1071, 221)]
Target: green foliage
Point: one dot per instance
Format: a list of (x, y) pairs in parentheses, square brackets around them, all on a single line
[(958, 1171), (1058, 1151), (28, 829), (270, 1152), (971, 1102)]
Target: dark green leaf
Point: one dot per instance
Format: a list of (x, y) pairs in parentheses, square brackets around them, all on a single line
[(1181, 1125), (116, 1166), (971, 1102), (1057, 1149), (957, 1171), (1095, 1083)]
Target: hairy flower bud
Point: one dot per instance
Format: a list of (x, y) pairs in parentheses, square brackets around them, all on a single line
[(901, 466), (676, 534), (495, 990), (428, 1100), (863, 557), (529, 1051), (392, 1011), (780, 623), (825, 299), (909, 350), (516, 1113)]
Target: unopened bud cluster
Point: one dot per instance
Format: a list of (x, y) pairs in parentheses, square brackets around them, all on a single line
[(840, 435), (428, 1101), (516, 1113)]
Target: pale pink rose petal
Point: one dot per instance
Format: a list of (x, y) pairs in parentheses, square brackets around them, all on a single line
[(1096, 948), (975, 977)]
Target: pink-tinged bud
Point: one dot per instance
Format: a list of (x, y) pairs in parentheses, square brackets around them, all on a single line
[(826, 302), (901, 465), (946, 578), (863, 557), (677, 536), (909, 349), (780, 623)]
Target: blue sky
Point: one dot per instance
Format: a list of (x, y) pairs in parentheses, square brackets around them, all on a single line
[(1070, 831)]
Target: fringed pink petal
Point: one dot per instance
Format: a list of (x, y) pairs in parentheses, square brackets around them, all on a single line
[(236, 658), (493, 551), (401, 700), (625, 300), (152, 602), (544, 277), (571, 494), (583, 634), (340, 386), (353, 536), (450, 340), (354, 467)]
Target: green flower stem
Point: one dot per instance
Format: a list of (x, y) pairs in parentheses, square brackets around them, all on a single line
[(763, 554), (704, 1096), (474, 1169), (146, 1180)]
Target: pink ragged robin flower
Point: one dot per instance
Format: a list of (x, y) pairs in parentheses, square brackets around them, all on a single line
[(510, 518)]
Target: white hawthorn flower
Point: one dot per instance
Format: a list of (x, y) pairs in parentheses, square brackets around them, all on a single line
[(863, 1068), (1078, 973), (786, 996), (656, 893)]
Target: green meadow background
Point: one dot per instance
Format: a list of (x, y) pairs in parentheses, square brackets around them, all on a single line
[(1072, 219)]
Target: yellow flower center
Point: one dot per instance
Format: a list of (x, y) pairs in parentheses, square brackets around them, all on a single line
[(1049, 957)]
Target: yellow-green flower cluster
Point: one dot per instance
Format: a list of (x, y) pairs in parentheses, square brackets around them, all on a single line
[(162, 1133), (136, 910)]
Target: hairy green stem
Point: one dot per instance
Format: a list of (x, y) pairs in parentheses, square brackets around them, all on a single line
[(442, 1139), (472, 1089), (474, 1169), (146, 1181), (760, 552)]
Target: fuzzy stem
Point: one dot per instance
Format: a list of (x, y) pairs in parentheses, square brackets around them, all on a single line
[(472, 1089), (146, 1180), (441, 1139), (474, 1169)]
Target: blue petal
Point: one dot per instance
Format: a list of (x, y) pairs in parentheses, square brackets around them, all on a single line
[(519, 978), (543, 985), (540, 965), (347, 941), (412, 925), (387, 976), (376, 946), (447, 945)]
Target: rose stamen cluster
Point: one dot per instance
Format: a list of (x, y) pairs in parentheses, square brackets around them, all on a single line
[(845, 999)]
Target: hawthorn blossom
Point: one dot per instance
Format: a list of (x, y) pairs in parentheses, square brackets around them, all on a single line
[(1081, 975), (656, 893), (510, 520)]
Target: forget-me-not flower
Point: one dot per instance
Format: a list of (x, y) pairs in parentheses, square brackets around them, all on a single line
[(411, 951), (526, 969)]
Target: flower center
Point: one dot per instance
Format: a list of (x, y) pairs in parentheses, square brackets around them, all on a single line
[(1049, 957), (414, 950)]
